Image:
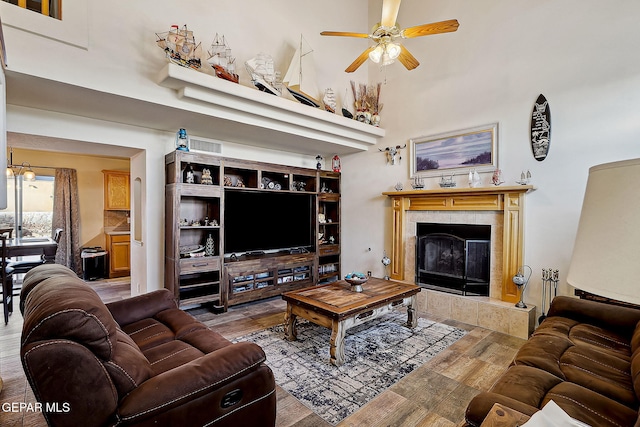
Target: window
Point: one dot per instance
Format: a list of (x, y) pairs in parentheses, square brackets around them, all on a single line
[(36, 211), (50, 8)]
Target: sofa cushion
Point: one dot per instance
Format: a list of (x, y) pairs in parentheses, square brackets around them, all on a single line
[(590, 407), (601, 372), (170, 355), (149, 333), (37, 275), (128, 367), (64, 307), (635, 362), (544, 352)]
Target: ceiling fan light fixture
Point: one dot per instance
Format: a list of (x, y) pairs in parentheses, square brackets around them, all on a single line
[(393, 50), (376, 54), (387, 60)]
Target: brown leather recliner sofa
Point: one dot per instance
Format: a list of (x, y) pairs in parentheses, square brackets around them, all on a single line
[(140, 361), (585, 356)]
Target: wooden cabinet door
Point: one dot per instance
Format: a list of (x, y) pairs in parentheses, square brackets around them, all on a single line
[(116, 190), (119, 248)]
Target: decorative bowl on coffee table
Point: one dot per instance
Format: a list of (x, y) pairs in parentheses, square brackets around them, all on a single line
[(356, 280)]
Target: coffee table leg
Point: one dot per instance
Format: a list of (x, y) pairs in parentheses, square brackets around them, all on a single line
[(290, 324), (336, 346), (412, 315)]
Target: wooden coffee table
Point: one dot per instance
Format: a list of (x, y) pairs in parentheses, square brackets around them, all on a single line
[(337, 307)]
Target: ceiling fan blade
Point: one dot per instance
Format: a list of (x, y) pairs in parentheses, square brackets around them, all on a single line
[(389, 12), (344, 34), (428, 29), (407, 59), (359, 60)]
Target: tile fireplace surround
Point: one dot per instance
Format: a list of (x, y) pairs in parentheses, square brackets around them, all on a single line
[(501, 207)]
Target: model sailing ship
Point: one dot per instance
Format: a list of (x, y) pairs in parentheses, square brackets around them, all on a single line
[(302, 87), (263, 74), (329, 100), (180, 46), (221, 60)]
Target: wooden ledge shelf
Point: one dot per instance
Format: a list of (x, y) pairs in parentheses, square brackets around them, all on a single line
[(249, 106)]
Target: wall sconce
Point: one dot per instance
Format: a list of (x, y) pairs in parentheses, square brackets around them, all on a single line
[(392, 152), (521, 282)]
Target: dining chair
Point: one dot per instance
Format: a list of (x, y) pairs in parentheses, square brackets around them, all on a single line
[(6, 275), (24, 265)]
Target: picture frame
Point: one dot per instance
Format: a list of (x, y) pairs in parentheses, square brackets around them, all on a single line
[(455, 153)]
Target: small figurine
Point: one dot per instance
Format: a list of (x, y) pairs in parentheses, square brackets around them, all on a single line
[(206, 177), (496, 178)]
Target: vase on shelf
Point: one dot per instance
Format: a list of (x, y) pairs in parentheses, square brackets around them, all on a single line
[(210, 246)]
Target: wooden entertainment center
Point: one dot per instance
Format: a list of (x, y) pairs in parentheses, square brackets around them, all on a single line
[(201, 273)]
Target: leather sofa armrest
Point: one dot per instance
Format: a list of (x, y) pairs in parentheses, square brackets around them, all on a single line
[(192, 381), (596, 313), (481, 405), (141, 306)]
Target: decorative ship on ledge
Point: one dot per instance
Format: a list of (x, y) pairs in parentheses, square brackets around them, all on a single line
[(221, 60), (329, 100), (263, 74), (180, 46), (302, 87)]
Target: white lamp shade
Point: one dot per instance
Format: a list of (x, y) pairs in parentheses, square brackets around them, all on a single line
[(376, 54), (393, 50), (606, 254)]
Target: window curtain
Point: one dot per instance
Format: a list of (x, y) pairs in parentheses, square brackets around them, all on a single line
[(66, 215)]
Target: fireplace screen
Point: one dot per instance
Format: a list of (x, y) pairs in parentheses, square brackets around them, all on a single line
[(454, 258)]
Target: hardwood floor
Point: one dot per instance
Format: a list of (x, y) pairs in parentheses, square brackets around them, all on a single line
[(436, 394)]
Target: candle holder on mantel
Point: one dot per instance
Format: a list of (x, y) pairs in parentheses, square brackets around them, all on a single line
[(521, 282)]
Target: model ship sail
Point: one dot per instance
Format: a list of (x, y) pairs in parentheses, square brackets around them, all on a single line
[(221, 60), (263, 74), (303, 86), (180, 46)]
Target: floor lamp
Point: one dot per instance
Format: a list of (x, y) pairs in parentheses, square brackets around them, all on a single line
[(605, 254)]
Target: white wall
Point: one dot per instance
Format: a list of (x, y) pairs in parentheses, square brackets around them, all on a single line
[(580, 54)]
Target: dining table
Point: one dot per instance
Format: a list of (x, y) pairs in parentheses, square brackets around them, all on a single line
[(28, 246)]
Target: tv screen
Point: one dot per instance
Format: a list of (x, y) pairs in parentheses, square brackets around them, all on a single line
[(265, 221)]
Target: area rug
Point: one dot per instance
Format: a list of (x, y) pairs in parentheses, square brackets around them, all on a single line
[(378, 354)]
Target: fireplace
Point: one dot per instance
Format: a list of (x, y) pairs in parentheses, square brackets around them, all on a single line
[(454, 257)]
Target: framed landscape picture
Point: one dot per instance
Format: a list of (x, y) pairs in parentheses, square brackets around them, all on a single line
[(455, 152)]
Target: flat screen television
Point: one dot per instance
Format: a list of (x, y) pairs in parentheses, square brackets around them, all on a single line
[(268, 221)]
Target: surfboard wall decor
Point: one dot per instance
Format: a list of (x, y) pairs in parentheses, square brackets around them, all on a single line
[(540, 128)]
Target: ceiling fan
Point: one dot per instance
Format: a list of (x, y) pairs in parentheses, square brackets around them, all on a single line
[(385, 33)]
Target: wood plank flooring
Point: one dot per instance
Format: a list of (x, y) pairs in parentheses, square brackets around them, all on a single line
[(436, 394)]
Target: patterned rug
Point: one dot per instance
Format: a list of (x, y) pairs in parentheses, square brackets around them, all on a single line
[(378, 354)]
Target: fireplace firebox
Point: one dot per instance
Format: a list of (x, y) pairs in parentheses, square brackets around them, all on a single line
[(454, 258)]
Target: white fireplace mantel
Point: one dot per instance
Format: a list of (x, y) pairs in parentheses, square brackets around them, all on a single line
[(506, 199)]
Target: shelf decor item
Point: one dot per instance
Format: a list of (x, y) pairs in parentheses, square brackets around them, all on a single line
[(182, 140), (210, 246), (385, 262), (335, 163), (356, 280), (521, 282)]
